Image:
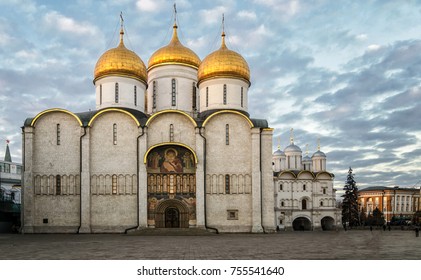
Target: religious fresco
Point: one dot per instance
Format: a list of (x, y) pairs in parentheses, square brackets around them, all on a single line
[(171, 183), (171, 159)]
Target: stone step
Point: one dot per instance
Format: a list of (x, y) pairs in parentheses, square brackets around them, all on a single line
[(171, 232)]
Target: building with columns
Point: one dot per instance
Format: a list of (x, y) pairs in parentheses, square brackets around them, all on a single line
[(170, 144), (394, 202), (304, 195)]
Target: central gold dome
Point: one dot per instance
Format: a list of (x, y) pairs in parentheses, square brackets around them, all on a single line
[(224, 63), (174, 53), (120, 61)]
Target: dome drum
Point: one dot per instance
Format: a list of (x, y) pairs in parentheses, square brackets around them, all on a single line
[(212, 94)]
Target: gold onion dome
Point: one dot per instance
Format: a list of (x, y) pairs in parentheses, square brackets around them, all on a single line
[(224, 63), (174, 53), (120, 61)]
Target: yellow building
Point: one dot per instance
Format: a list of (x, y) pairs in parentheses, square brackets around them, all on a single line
[(396, 202)]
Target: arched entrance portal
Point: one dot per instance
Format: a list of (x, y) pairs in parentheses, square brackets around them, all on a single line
[(301, 224), (328, 223), (171, 183), (172, 213)]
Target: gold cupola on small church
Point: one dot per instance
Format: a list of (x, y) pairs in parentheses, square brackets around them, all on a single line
[(224, 80), (174, 53), (172, 77), (120, 78), (224, 63)]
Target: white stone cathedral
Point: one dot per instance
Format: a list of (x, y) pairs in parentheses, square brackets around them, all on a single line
[(305, 198), (170, 144)]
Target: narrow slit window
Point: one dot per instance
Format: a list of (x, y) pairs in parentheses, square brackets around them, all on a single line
[(173, 92), (154, 95), (194, 106), (116, 93), (227, 134), (171, 133), (135, 95), (115, 134), (100, 94), (227, 184), (58, 185), (114, 184), (207, 96), (58, 134), (242, 97), (225, 94)]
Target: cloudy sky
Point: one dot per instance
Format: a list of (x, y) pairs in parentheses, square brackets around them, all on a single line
[(347, 72)]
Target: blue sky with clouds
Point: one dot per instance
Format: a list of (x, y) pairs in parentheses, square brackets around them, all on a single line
[(347, 72)]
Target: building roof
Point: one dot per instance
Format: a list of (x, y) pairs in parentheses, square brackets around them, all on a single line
[(383, 188)]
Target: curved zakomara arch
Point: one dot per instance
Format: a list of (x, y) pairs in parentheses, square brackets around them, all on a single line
[(287, 171), (323, 172), (169, 144), (170, 111), (37, 117), (113, 110), (225, 112), (306, 171)]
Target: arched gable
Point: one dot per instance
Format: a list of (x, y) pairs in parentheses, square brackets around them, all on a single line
[(170, 111), (305, 174), (37, 117), (287, 175), (324, 175), (145, 158), (228, 112), (113, 110)]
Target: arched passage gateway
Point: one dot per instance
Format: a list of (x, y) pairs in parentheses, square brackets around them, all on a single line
[(171, 186), (328, 223), (301, 223)]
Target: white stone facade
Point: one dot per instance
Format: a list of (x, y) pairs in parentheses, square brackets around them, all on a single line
[(304, 195)]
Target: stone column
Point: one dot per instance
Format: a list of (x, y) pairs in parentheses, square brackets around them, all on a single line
[(143, 181), (256, 178), (27, 207), (200, 181), (268, 199), (85, 186)]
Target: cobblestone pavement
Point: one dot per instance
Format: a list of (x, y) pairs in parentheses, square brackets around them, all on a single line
[(340, 245)]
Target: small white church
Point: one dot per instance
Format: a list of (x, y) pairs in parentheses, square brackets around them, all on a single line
[(170, 145)]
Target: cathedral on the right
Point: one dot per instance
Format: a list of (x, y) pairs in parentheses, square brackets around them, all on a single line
[(304, 195)]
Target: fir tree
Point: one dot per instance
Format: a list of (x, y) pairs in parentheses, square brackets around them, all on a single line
[(350, 214)]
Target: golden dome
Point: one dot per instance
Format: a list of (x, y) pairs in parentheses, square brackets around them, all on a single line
[(224, 63), (120, 61), (174, 53)]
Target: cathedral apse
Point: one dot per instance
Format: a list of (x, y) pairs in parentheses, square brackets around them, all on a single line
[(171, 187)]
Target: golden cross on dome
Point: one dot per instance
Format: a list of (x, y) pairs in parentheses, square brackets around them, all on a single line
[(291, 137), (318, 144), (175, 14), (121, 27)]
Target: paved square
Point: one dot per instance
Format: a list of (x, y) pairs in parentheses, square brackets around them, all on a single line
[(342, 245)]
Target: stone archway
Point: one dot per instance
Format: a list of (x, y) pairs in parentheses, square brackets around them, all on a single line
[(328, 223), (301, 224), (172, 213)]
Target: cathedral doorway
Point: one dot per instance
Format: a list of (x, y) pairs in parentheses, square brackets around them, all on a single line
[(172, 217), (172, 213), (301, 224), (171, 185), (328, 223)]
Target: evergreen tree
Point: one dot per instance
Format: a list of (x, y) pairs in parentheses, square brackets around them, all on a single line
[(350, 214)]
